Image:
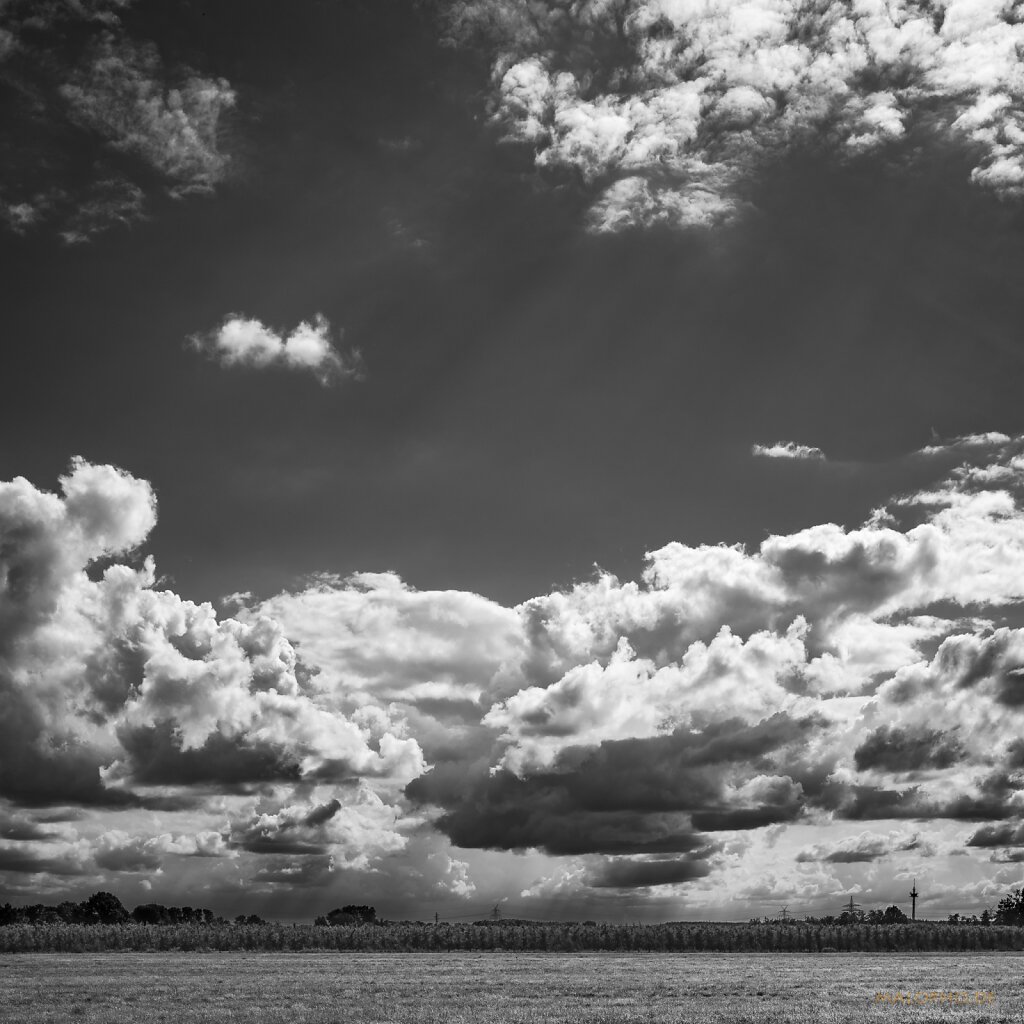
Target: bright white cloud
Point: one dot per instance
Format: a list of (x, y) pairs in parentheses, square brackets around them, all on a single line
[(786, 450), (668, 107), (115, 689), (241, 341)]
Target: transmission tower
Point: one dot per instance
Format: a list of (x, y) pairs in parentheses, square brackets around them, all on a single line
[(851, 908), (496, 913), (913, 902)]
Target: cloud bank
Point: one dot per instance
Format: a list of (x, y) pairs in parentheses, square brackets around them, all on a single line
[(668, 109), (844, 686), (240, 341)]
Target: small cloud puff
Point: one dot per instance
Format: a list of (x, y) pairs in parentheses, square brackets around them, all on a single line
[(241, 341), (786, 450)]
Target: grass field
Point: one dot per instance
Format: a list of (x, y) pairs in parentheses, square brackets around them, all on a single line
[(518, 988)]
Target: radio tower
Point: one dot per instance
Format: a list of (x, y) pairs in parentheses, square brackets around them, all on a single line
[(913, 902)]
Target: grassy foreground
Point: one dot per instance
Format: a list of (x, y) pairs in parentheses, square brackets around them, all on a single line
[(512, 988)]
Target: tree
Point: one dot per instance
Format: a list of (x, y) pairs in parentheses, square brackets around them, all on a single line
[(103, 908), (368, 915), (1011, 909)]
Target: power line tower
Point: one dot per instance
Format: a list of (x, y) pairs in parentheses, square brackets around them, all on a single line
[(496, 913), (784, 914), (851, 908), (913, 902)]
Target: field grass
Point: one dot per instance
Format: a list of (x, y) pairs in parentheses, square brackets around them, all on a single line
[(512, 988)]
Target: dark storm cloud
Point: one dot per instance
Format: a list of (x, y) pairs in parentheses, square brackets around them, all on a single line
[(898, 750), (865, 848), (987, 799), (25, 861), (154, 757), (622, 873), (666, 112), (503, 812), (1008, 834), (100, 120), (323, 813), (625, 796), (21, 829)]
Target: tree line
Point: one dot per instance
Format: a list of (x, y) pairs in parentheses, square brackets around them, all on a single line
[(103, 923)]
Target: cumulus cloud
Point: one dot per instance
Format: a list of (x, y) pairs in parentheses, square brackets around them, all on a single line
[(240, 341), (354, 831), (104, 120), (657, 732), (812, 678), (117, 693), (786, 450), (668, 110)]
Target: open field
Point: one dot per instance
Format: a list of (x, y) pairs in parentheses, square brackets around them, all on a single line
[(512, 988)]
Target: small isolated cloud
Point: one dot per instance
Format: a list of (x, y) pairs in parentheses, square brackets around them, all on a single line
[(667, 110), (241, 341), (786, 450)]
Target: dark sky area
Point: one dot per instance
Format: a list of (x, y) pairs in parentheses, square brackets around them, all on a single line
[(533, 397), (536, 400)]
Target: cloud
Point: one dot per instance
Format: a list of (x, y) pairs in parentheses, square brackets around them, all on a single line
[(897, 750), (114, 692), (786, 450), (865, 848), (632, 873), (119, 94), (354, 830), (654, 732), (667, 111), (1008, 834), (244, 342), (729, 690), (118, 851), (103, 122)]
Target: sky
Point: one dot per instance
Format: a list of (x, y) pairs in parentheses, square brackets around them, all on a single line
[(564, 456)]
